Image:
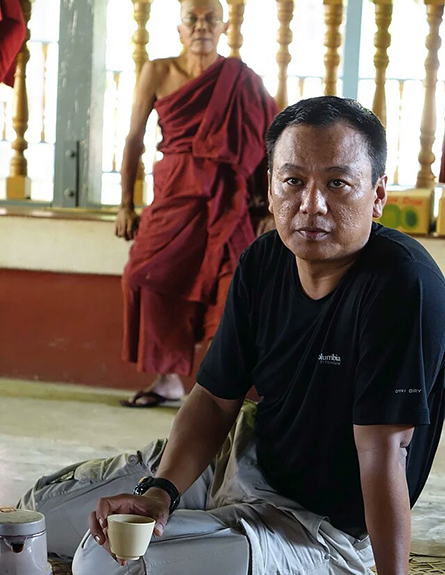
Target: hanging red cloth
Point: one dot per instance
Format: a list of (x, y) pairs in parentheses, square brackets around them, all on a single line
[(12, 36)]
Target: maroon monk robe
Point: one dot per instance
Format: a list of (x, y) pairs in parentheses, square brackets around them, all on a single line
[(12, 36), (191, 236)]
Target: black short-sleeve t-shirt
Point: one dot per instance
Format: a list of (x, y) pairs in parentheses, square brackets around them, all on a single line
[(370, 352)]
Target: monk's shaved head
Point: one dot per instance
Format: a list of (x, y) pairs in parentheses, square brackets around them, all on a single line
[(212, 5), (202, 23)]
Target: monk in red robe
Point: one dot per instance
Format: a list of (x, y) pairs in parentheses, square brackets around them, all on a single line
[(12, 36), (213, 113)]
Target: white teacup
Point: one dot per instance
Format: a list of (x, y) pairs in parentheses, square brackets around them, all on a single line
[(129, 535)]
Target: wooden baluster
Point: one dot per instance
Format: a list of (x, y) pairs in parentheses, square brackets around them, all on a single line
[(141, 15), (332, 42), (140, 56), (399, 129), (284, 38), (18, 185), (5, 120), (45, 73), (236, 18), (116, 80), (425, 177), (382, 41), (301, 84)]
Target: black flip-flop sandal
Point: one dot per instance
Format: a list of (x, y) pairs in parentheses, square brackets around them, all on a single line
[(159, 401)]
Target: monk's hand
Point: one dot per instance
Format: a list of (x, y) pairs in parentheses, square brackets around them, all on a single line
[(155, 503), (127, 222), (265, 225)]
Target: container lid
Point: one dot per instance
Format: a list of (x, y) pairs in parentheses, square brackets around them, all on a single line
[(20, 522)]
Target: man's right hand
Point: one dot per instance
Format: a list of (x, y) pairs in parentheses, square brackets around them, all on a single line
[(155, 503), (127, 222)]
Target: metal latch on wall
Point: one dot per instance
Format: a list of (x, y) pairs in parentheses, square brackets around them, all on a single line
[(71, 174)]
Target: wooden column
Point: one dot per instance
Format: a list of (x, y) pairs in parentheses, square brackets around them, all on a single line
[(18, 185), (382, 41), (284, 38), (236, 18), (425, 177), (140, 56), (332, 42)]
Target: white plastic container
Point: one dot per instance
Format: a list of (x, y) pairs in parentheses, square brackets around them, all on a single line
[(23, 548)]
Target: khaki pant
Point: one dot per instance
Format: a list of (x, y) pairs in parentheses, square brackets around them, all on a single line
[(231, 522)]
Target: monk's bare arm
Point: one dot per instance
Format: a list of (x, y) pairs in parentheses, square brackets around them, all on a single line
[(145, 98), (382, 458), (127, 220)]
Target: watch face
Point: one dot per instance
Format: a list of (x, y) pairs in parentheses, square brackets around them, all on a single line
[(146, 482), (143, 485)]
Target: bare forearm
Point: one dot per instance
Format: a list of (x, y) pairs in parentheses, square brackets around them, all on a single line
[(198, 432), (387, 510), (130, 163)]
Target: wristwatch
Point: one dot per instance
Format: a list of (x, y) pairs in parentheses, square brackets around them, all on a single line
[(146, 482)]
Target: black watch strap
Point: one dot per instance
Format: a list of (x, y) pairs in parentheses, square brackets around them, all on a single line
[(146, 482)]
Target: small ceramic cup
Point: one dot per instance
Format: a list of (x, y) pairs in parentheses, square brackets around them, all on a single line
[(129, 535)]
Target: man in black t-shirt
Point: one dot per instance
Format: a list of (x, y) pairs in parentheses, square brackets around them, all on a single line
[(338, 324)]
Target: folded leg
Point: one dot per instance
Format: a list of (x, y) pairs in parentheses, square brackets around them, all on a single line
[(194, 543), (67, 497)]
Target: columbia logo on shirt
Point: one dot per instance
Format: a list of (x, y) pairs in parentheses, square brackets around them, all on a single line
[(332, 359)]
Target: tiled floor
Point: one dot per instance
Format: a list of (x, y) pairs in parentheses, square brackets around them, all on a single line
[(46, 426)]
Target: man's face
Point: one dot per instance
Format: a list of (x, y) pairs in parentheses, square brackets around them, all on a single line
[(321, 191), (201, 25)]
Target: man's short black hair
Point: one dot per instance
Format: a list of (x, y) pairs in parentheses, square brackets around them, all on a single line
[(326, 110)]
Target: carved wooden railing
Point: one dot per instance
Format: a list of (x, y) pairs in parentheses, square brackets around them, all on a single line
[(5, 118), (116, 81), (236, 18), (284, 38), (395, 178), (332, 42), (382, 41), (18, 185), (425, 177), (142, 10), (45, 46)]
